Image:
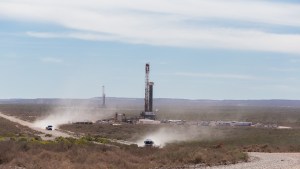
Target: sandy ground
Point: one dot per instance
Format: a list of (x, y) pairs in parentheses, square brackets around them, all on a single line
[(265, 161)]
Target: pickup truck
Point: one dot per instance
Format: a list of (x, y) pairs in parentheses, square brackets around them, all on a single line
[(148, 143), (49, 127)]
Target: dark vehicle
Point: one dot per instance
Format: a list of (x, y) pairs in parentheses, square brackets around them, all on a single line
[(49, 127), (148, 143)]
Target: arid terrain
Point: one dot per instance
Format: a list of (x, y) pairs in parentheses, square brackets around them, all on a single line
[(267, 161), (182, 146)]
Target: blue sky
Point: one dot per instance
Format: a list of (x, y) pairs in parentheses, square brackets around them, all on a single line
[(198, 49)]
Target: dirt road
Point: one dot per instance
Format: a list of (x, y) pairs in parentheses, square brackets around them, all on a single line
[(267, 161), (54, 133)]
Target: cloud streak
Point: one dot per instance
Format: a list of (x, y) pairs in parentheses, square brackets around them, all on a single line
[(51, 60), (287, 70), (217, 76), (164, 22)]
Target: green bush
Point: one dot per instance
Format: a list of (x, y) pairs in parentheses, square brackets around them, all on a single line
[(2, 138), (22, 139), (48, 135), (81, 141)]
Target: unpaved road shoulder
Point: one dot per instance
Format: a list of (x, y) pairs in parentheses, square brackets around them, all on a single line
[(267, 161)]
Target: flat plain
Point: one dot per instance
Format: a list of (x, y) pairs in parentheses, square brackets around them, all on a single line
[(208, 146)]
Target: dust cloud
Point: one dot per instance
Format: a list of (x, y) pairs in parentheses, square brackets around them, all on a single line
[(166, 135), (66, 115)]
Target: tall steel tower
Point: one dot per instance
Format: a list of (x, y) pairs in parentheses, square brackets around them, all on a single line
[(103, 96), (151, 96), (147, 69), (148, 112)]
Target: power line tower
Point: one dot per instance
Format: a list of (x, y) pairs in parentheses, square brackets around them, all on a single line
[(103, 96)]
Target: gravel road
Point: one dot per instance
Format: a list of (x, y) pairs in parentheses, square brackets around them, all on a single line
[(267, 161)]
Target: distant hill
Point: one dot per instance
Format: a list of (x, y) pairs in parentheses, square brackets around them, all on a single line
[(138, 102)]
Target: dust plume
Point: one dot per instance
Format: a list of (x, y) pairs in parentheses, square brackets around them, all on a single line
[(64, 115), (166, 135)]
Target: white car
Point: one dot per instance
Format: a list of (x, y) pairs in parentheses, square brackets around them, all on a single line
[(49, 127), (148, 143)]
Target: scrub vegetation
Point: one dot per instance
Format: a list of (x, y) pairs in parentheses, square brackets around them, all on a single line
[(26, 150), (22, 147)]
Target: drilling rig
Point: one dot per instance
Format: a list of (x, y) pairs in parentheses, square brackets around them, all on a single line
[(148, 110)]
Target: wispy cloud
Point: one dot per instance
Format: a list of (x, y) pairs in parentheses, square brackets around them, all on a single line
[(287, 88), (51, 60), (285, 69), (295, 60), (165, 22), (73, 35), (217, 75), (45, 34)]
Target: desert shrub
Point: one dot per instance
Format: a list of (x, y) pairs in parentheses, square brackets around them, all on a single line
[(82, 141), (66, 152), (3, 138), (22, 139), (48, 135), (5, 148), (65, 140)]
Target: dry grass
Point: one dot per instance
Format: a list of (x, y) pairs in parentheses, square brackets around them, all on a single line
[(10, 129), (22, 150), (244, 138), (26, 112), (264, 140), (123, 132), (212, 150), (69, 155), (280, 115), (226, 145)]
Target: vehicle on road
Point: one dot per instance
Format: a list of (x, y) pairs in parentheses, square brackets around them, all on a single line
[(49, 127), (148, 143)]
